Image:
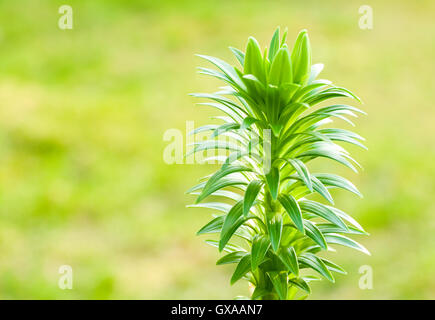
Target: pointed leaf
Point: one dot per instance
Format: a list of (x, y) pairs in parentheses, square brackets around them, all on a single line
[(213, 226), (281, 69), (323, 211), (274, 45), (272, 179), (289, 258), (279, 281), (232, 257), (302, 170), (316, 264), (275, 232), (251, 194), (242, 268), (301, 283), (337, 181), (260, 245), (294, 211), (240, 56), (232, 222), (314, 233), (253, 60), (215, 181), (301, 58), (345, 241)]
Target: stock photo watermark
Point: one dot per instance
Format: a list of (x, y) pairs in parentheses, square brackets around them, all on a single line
[(65, 281), (366, 19), (212, 145), (366, 280), (65, 21)]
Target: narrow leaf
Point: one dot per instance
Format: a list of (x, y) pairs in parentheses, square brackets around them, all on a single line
[(251, 194), (316, 264), (213, 226), (232, 222), (314, 233), (323, 211), (275, 232), (242, 268), (260, 245), (279, 281), (294, 211), (272, 179), (345, 241), (232, 257), (301, 283), (289, 258)]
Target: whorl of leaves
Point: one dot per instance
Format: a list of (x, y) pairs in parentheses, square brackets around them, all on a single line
[(266, 224)]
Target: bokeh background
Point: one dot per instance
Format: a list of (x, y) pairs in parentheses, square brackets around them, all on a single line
[(82, 117)]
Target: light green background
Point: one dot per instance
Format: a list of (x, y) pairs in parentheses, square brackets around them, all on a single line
[(82, 116)]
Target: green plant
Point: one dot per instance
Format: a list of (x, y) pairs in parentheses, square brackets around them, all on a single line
[(264, 182)]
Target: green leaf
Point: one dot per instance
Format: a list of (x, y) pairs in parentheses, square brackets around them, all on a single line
[(240, 56), (209, 127), (314, 233), (301, 58), (220, 206), (232, 222), (213, 226), (333, 267), (251, 194), (272, 179), (316, 264), (217, 182), (343, 135), (284, 37), (243, 267), (247, 122), (326, 228), (213, 145), (315, 71), (259, 292), (289, 258), (228, 70), (321, 149), (279, 281), (281, 69), (274, 45), (275, 231), (253, 60), (222, 183), (321, 189), (346, 217), (260, 245), (224, 193), (276, 128), (291, 206), (323, 211), (301, 283), (345, 241), (337, 181), (229, 247), (302, 171), (224, 128), (232, 257)]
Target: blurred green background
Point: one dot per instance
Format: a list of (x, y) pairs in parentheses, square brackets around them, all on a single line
[(82, 116)]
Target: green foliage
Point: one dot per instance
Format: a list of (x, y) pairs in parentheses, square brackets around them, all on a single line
[(276, 231)]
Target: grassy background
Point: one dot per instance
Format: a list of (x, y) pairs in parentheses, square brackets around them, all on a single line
[(82, 116)]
